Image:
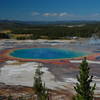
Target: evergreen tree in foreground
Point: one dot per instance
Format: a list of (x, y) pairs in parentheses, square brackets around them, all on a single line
[(83, 88), (10, 97), (39, 86)]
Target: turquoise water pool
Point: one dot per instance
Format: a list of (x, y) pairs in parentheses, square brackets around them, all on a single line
[(46, 53)]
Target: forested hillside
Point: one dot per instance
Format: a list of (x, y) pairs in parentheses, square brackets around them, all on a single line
[(48, 30)]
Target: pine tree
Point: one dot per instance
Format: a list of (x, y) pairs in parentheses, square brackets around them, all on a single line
[(83, 88), (40, 89), (21, 98), (10, 97)]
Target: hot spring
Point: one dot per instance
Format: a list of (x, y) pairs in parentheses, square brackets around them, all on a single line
[(46, 53)]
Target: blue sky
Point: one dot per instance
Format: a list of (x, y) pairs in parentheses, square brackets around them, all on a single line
[(50, 10)]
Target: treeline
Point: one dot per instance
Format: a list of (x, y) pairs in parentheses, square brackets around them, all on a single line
[(59, 32), (4, 36), (54, 31)]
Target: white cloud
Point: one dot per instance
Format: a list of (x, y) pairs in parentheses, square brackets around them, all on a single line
[(57, 14), (35, 13), (46, 14), (64, 14), (50, 14)]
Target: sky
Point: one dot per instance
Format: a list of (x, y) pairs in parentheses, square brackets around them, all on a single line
[(49, 10)]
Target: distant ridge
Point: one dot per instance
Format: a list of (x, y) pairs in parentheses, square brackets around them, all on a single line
[(49, 22)]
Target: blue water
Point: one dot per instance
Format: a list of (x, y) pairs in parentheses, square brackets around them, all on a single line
[(45, 53)]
